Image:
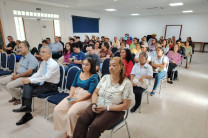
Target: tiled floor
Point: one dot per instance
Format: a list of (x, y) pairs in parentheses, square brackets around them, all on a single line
[(180, 111)]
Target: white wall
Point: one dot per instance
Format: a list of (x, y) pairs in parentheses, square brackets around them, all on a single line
[(109, 25), (194, 25)]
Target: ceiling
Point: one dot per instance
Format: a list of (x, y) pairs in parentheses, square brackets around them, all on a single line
[(127, 7)]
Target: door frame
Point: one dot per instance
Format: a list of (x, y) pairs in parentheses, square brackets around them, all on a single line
[(1, 30)]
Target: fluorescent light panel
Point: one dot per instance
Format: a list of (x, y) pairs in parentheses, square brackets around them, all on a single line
[(110, 9), (135, 14), (188, 11), (176, 4)]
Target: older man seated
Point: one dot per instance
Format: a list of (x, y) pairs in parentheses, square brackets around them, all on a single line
[(44, 81), (57, 48), (27, 64)]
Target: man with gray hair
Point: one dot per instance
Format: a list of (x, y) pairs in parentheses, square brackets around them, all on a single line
[(44, 81), (27, 65)]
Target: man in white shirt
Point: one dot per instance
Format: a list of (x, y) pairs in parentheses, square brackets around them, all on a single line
[(44, 81), (116, 43)]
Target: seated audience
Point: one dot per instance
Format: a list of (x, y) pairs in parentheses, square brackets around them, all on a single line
[(144, 49), (37, 55), (97, 48), (72, 41), (67, 53), (137, 49), (161, 39), (91, 53), (97, 39), (188, 53), (174, 60), (49, 42), (107, 41), (17, 50), (159, 64), (181, 50), (153, 36), (128, 41), (76, 57), (86, 41), (133, 45), (59, 38), (93, 38), (123, 45), (104, 52), (9, 48), (57, 48), (69, 109), (27, 65), (44, 81), (109, 100), (144, 41), (115, 45), (170, 43), (152, 45), (126, 56), (173, 41), (154, 53), (140, 74), (165, 46), (191, 44), (121, 39), (77, 39)]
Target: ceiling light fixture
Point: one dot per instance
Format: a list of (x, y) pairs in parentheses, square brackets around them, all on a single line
[(176, 4), (110, 10), (188, 11), (135, 14)]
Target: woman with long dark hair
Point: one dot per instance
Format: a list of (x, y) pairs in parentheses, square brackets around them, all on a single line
[(67, 53), (126, 56), (69, 109)]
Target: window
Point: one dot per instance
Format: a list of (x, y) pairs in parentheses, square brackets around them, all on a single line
[(57, 28), (85, 24), (19, 28), (14, 12)]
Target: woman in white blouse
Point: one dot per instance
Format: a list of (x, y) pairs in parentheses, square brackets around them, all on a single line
[(159, 64), (140, 74), (109, 100)]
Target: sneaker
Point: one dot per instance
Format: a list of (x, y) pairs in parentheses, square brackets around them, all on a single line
[(133, 109), (171, 82), (152, 93)]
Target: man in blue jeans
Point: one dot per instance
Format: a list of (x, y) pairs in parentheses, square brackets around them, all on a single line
[(76, 58)]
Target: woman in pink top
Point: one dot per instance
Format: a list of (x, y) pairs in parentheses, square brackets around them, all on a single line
[(174, 60), (67, 53)]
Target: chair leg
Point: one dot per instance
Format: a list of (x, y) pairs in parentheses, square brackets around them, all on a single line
[(112, 133), (160, 86), (127, 129), (33, 104), (47, 108), (147, 98), (45, 102)]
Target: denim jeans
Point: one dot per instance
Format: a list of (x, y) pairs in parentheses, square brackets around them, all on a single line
[(158, 77)]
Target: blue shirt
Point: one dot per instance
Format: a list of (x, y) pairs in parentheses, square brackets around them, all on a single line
[(79, 56), (27, 62), (56, 46), (88, 84)]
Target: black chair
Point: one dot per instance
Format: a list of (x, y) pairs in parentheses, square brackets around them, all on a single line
[(60, 89), (85, 49), (114, 49), (57, 98), (105, 67), (11, 65), (3, 60), (117, 54)]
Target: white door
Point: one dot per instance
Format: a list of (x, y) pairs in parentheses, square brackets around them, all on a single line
[(37, 30), (47, 29)]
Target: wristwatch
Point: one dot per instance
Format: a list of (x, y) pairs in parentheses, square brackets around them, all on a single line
[(72, 60)]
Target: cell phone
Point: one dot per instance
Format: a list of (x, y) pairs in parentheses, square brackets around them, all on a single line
[(70, 99)]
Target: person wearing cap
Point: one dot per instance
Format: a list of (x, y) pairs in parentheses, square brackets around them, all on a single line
[(107, 41), (144, 49), (159, 64), (153, 36)]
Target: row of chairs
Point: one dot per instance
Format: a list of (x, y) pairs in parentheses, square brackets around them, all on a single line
[(8, 64)]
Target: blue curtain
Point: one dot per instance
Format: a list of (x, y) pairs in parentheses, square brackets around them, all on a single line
[(85, 24)]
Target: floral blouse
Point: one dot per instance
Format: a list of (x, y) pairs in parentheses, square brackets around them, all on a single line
[(176, 57), (113, 94)]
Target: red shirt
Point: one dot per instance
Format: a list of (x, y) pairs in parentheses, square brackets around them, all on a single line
[(128, 67), (128, 42)]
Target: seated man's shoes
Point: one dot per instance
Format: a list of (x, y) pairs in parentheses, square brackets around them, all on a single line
[(22, 109), (24, 119)]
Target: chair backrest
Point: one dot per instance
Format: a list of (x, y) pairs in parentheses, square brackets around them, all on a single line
[(70, 76), (84, 49), (12, 62), (117, 54), (105, 66), (114, 49), (4, 60), (62, 74)]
